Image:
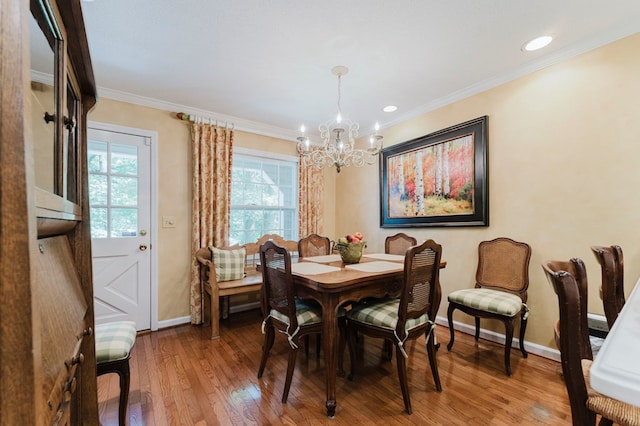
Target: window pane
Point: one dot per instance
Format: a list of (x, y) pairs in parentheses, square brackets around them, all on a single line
[(124, 191), (124, 222), (98, 190), (124, 159), (263, 198), (98, 222)]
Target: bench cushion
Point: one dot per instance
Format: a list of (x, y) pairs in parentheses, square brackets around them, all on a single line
[(229, 264)]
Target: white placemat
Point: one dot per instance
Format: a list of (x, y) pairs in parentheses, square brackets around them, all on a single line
[(377, 266), (324, 259), (384, 256), (310, 268)]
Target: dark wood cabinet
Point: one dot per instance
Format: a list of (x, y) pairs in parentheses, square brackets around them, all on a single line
[(47, 347)]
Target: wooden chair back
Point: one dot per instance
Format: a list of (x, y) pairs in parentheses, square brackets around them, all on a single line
[(314, 245), (420, 287), (398, 243), (277, 282), (569, 281), (612, 288), (503, 264)]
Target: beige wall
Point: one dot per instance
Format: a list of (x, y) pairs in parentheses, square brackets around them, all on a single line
[(174, 187), (563, 175)]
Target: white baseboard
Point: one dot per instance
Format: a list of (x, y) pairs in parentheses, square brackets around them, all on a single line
[(173, 322), (492, 336)]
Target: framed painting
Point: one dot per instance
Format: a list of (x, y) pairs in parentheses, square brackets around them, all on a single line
[(439, 179)]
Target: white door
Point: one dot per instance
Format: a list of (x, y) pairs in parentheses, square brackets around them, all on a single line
[(120, 200)]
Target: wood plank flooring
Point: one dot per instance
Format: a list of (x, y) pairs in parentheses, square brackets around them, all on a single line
[(181, 377)]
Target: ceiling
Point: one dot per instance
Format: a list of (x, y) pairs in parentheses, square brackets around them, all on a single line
[(266, 64)]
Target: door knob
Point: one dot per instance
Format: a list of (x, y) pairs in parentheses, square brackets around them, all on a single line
[(143, 247)]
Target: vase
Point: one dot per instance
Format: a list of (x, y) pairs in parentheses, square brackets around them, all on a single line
[(351, 252)]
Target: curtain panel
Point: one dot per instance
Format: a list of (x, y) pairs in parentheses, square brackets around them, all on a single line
[(212, 154), (310, 200)]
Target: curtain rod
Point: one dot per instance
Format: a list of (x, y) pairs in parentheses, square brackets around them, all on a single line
[(199, 119)]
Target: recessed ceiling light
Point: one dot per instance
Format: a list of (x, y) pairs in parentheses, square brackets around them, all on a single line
[(537, 43), (390, 108)]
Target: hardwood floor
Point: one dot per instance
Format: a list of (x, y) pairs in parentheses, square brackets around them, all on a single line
[(181, 377)]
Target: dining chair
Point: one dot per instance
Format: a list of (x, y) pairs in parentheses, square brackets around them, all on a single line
[(398, 243), (569, 281), (314, 245), (406, 318), (500, 292), (612, 287), (114, 341), (282, 311)]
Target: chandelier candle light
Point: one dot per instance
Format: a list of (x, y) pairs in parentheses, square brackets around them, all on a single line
[(338, 140)]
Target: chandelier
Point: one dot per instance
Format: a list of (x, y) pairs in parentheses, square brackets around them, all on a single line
[(338, 140)]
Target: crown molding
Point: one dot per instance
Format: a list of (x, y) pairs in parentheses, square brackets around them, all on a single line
[(561, 55), (237, 123)]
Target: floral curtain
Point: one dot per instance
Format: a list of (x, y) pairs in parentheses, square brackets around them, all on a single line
[(310, 200), (212, 149)]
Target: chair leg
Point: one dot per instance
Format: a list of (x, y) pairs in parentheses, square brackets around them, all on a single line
[(291, 365), (450, 318), (125, 378), (523, 328), (402, 374), (269, 337), (507, 346), (431, 352), (477, 328)]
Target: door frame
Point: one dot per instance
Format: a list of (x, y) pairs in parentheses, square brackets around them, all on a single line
[(153, 208)]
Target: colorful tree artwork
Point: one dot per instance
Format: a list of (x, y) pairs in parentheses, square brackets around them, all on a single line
[(435, 180)]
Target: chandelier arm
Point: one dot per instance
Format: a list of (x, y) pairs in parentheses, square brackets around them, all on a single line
[(338, 140)]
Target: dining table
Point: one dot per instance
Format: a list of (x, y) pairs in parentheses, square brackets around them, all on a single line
[(615, 371), (333, 284)]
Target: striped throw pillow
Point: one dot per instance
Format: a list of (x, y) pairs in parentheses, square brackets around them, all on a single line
[(229, 264)]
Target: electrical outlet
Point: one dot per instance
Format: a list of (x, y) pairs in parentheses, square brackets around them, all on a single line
[(168, 221)]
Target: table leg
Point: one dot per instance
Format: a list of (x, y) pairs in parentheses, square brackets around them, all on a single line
[(330, 339)]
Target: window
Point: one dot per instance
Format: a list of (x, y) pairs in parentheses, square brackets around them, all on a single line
[(264, 197)]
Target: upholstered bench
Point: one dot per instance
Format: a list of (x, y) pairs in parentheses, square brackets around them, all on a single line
[(231, 270), (114, 341)]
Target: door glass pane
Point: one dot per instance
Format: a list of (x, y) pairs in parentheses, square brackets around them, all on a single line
[(97, 157), (98, 190), (98, 222), (124, 159), (124, 222), (124, 191), (113, 189)]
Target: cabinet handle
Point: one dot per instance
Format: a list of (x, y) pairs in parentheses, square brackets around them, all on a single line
[(70, 123), (48, 118)]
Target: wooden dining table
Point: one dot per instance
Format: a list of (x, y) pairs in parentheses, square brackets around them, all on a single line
[(333, 284)]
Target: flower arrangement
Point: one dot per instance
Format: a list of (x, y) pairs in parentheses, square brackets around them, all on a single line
[(350, 247)]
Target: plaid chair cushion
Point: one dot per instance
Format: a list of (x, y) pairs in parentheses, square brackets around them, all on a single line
[(229, 264), (306, 314), (497, 302), (383, 313), (114, 340)]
